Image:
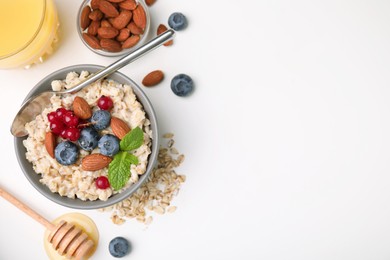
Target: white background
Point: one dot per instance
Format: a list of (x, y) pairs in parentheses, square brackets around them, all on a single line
[(286, 136)]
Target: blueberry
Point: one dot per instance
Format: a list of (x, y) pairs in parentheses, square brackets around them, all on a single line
[(177, 21), (88, 139), (109, 145), (66, 153), (101, 119), (119, 247), (182, 85)]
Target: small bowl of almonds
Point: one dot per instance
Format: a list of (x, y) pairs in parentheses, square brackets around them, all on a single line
[(113, 27)]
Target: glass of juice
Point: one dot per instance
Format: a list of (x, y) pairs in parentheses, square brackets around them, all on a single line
[(28, 30)]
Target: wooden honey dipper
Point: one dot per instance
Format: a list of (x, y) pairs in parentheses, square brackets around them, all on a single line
[(66, 238)]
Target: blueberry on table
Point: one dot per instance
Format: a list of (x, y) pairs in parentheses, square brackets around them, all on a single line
[(66, 153), (88, 139), (119, 247), (182, 85), (177, 21), (109, 145), (101, 119)]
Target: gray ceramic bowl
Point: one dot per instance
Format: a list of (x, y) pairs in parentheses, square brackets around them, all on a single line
[(77, 203)]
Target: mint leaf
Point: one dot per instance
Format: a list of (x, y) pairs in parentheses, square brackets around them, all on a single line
[(132, 139), (119, 169)]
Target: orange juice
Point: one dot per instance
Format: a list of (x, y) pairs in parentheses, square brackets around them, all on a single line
[(27, 30)]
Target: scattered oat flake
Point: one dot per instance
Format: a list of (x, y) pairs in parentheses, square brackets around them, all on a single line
[(172, 209), (168, 135)]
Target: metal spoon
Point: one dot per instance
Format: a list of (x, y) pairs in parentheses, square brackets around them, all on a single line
[(36, 104)]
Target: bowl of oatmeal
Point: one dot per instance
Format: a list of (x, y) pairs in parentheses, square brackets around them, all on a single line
[(93, 148)]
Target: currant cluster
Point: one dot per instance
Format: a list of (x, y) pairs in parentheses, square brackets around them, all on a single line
[(64, 122)]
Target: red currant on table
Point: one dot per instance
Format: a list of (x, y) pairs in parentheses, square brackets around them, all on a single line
[(102, 183), (57, 126), (71, 133), (51, 116), (70, 119), (105, 103)]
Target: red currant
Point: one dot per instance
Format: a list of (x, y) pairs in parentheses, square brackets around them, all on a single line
[(70, 119), (51, 116), (57, 126), (72, 134), (60, 112), (105, 103), (63, 134), (102, 183)]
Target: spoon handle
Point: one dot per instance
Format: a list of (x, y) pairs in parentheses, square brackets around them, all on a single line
[(26, 209), (149, 46)]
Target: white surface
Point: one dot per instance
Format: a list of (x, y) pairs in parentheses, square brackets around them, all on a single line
[(286, 136)]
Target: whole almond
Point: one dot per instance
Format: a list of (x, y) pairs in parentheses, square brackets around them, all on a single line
[(81, 108), (128, 5), (115, 1), (110, 45), (134, 29), (131, 41), (93, 28), (150, 2), (105, 23), (139, 17), (123, 35), (122, 19), (96, 15), (91, 41), (153, 78), (50, 143), (95, 4), (119, 127), (107, 32), (162, 28), (84, 17), (108, 9), (94, 162)]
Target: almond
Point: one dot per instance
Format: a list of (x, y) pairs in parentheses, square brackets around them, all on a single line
[(107, 32), (105, 23), (139, 17), (94, 162), (115, 1), (150, 2), (96, 15), (128, 5), (81, 108), (110, 45), (122, 19), (134, 29), (119, 127), (50, 143), (95, 4), (162, 28), (108, 9), (84, 17), (131, 41), (153, 78), (123, 35), (91, 41), (93, 28)]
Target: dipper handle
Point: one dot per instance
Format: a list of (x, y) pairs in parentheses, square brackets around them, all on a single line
[(26, 209)]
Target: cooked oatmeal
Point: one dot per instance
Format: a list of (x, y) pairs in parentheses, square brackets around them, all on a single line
[(71, 181)]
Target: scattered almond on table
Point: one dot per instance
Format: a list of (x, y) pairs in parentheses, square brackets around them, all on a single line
[(162, 28), (153, 78)]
